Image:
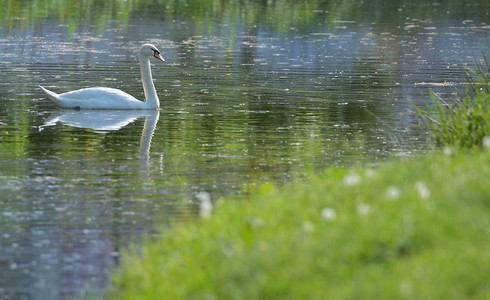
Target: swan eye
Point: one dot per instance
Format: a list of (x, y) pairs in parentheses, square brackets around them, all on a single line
[(155, 51)]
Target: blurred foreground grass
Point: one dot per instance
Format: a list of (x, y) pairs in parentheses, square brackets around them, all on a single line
[(416, 229)]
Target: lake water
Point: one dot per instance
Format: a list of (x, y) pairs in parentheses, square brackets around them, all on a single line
[(251, 92)]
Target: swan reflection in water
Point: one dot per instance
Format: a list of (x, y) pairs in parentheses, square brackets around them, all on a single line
[(104, 121)]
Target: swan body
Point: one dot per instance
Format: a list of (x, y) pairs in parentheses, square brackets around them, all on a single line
[(109, 98)]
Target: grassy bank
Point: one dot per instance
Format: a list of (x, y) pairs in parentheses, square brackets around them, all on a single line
[(417, 229), (466, 122), (413, 229)]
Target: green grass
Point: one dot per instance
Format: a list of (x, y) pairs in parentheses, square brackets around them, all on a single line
[(416, 229), (465, 123)]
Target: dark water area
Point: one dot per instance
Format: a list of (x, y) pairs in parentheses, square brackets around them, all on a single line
[(251, 92)]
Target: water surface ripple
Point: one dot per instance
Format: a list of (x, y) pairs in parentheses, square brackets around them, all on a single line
[(251, 92)]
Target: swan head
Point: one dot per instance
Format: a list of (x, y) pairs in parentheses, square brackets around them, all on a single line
[(150, 50)]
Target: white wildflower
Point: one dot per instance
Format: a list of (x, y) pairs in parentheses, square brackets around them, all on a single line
[(370, 173), (363, 209), (308, 227), (352, 179), (424, 192), (205, 204), (448, 151), (406, 288), (328, 214), (257, 222), (393, 192), (486, 143)]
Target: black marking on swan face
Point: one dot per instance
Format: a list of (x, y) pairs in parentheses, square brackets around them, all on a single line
[(77, 108)]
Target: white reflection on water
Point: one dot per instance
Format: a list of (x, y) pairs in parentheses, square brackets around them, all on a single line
[(103, 121), (98, 120)]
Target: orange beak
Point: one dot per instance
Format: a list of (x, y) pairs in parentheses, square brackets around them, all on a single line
[(158, 56)]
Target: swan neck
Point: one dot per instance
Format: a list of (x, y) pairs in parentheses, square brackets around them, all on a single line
[(151, 97), (151, 121)]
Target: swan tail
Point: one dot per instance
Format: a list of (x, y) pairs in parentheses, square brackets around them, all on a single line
[(51, 95)]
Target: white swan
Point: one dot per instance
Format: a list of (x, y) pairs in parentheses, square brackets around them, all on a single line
[(108, 98)]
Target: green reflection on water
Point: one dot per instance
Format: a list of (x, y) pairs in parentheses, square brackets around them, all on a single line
[(278, 15)]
